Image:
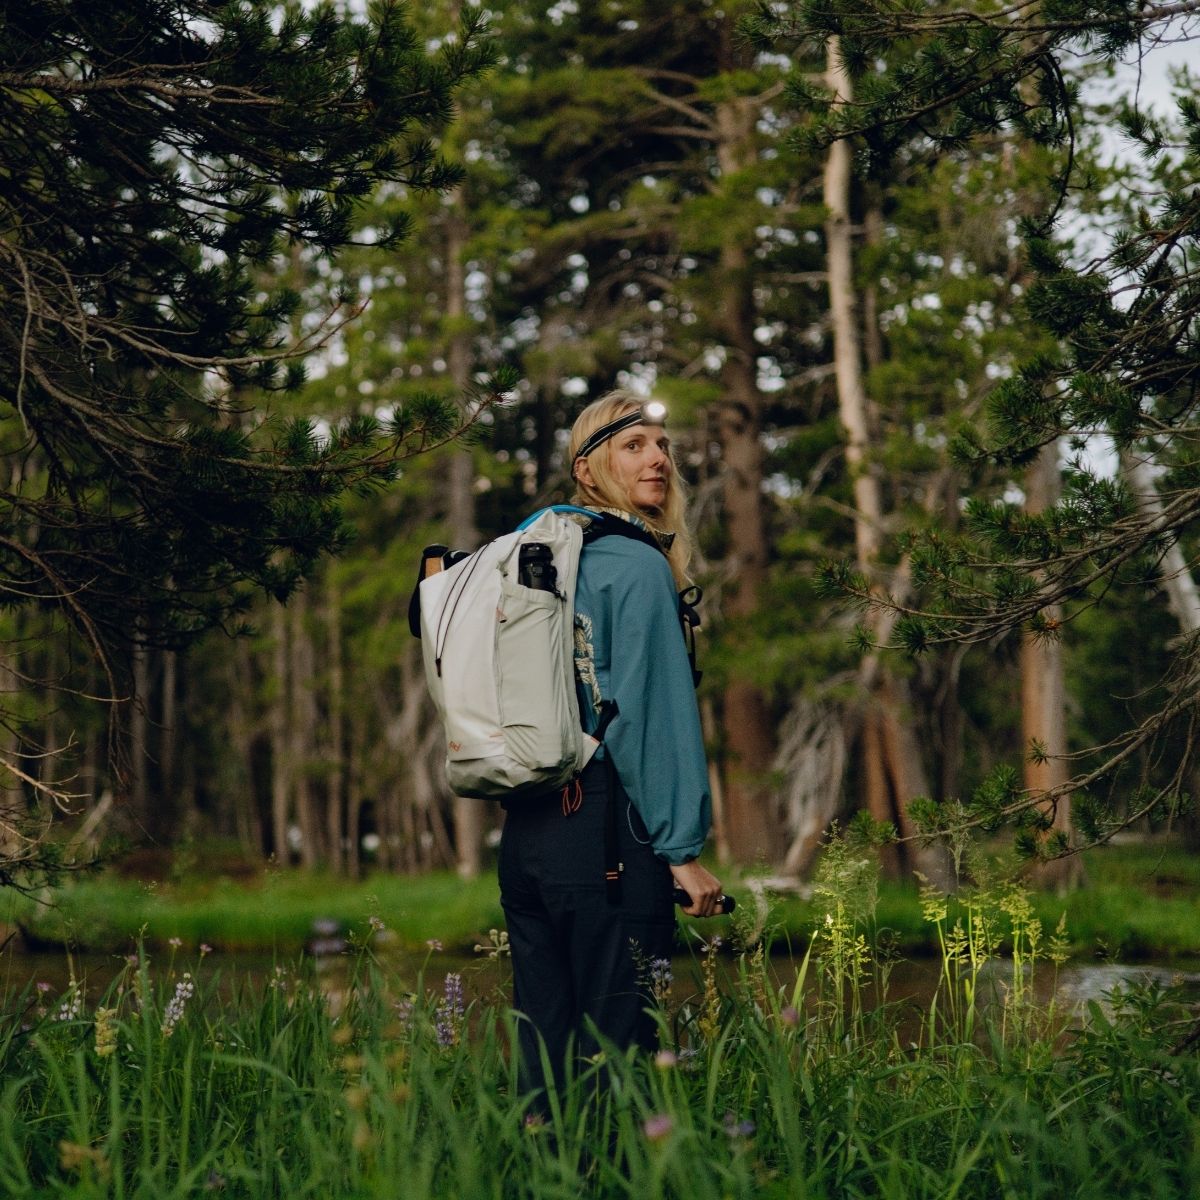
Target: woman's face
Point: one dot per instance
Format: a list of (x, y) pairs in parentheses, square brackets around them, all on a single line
[(638, 457)]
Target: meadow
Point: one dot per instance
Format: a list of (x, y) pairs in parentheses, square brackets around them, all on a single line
[(1140, 900), (389, 1081)]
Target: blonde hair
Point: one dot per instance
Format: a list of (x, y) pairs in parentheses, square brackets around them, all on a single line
[(606, 492)]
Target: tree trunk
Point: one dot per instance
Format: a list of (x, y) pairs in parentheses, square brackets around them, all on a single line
[(1175, 576), (747, 719), (464, 533), (1178, 586), (139, 743), (185, 817), (1043, 694), (354, 799), (335, 742), (716, 785), (893, 768), (237, 803), (304, 739), (281, 760)]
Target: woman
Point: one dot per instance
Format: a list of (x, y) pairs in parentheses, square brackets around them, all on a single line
[(582, 949)]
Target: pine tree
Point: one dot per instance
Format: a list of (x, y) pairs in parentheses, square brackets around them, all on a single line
[(1122, 361), (159, 158)]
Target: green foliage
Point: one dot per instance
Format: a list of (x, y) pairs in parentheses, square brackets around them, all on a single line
[(171, 155), (957, 94), (388, 1081)]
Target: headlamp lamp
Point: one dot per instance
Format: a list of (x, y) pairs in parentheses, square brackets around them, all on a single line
[(653, 412)]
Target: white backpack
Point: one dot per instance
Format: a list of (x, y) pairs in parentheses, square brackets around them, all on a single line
[(500, 664)]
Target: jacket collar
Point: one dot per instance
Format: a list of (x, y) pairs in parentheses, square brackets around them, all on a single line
[(664, 539)]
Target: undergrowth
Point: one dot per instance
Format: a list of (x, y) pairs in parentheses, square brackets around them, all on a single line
[(387, 1085)]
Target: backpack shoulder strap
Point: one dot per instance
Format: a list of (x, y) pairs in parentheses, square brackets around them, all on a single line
[(604, 524)]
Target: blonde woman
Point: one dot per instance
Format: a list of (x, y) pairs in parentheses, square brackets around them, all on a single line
[(586, 878)]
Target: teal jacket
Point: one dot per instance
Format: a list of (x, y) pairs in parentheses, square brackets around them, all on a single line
[(629, 648)]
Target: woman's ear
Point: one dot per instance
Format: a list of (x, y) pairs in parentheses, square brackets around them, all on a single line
[(583, 472)]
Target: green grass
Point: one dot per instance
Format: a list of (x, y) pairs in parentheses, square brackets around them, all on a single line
[(375, 1086), (1138, 901), (273, 913)]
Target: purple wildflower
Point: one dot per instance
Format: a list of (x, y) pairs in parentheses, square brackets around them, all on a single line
[(738, 1129), (660, 979), (434, 943), (789, 1016), (185, 989), (658, 1127), (450, 1011)]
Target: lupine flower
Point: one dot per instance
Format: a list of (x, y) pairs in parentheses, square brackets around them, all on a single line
[(450, 1011), (738, 1129), (658, 1127), (106, 1032), (660, 979), (404, 1010), (185, 989)]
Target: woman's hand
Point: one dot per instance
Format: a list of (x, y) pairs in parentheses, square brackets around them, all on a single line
[(703, 887)]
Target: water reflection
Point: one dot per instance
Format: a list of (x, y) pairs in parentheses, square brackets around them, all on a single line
[(912, 983)]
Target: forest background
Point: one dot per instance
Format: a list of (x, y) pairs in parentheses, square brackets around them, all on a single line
[(645, 200)]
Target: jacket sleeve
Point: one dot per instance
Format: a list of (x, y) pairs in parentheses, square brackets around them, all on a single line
[(655, 740)]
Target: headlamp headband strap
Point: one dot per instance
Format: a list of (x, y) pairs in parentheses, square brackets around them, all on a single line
[(653, 413)]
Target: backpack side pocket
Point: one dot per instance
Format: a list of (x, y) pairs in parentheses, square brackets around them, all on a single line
[(535, 712)]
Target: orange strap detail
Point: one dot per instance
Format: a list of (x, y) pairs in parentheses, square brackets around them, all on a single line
[(572, 797)]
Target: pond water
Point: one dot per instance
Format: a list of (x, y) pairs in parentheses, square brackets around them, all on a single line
[(41, 977)]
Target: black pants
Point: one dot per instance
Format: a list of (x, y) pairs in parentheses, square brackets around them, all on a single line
[(577, 958)]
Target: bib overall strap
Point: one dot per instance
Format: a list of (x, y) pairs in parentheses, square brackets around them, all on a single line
[(612, 849), (613, 866)]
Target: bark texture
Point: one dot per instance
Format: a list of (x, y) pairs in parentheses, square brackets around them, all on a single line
[(1044, 695), (747, 828), (464, 533), (893, 771)]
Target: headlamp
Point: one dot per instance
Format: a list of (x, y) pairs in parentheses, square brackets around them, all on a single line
[(653, 412)]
